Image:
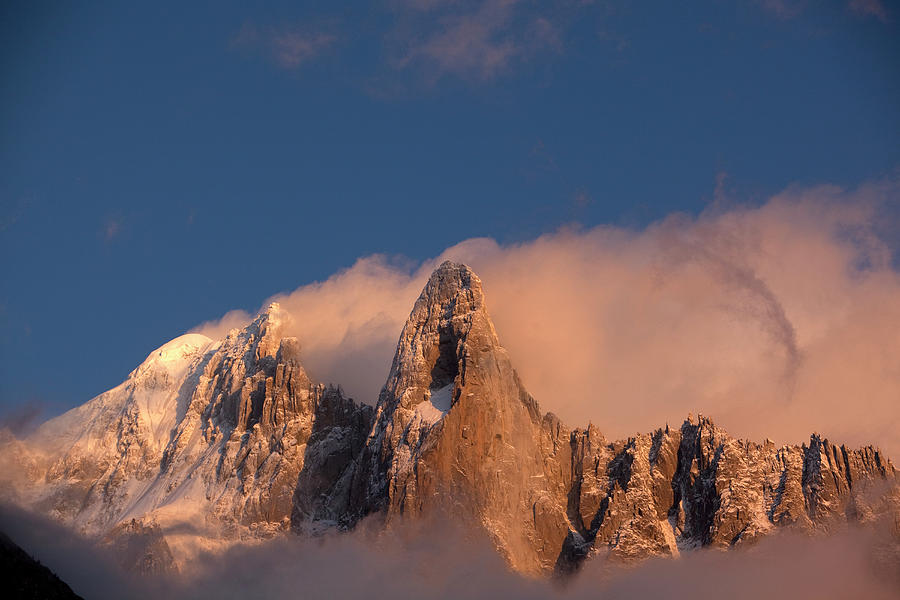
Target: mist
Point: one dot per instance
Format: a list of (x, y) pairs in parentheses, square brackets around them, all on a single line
[(439, 561), (776, 320)]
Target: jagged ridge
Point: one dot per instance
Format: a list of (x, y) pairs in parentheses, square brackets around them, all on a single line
[(234, 436)]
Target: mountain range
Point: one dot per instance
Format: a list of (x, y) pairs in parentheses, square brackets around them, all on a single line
[(211, 442)]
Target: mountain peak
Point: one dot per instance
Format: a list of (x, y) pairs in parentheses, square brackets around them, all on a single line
[(432, 344), (188, 344), (264, 333), (273, 315), (450, 267), (454, 415), (175, 355), (449, 280)]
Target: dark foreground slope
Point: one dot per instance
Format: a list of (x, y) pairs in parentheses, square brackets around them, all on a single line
[(24, 578)]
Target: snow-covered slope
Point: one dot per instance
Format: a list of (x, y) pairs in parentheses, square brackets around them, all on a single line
[(201, 445), (150, 392)]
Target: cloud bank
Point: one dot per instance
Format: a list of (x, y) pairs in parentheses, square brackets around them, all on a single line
[(438, 562), (776, 320)]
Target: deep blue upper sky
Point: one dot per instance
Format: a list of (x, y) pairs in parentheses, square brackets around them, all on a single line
[(160, 165)]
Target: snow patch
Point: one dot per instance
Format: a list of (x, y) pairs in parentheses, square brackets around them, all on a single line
[(437, 405)]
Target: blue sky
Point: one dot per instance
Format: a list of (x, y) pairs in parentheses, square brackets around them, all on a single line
[(163, 164)]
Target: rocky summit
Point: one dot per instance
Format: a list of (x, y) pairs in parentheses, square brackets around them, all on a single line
[(213, 441)]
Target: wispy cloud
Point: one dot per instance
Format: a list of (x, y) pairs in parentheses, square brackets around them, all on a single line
[(870, 8), (783, 9), (288, 47), (474, 42), (111, 228), (291, 49), (11, 212), (789, 9), (582, 198), (23, 418)]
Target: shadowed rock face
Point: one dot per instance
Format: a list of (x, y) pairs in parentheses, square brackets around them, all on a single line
[(322, 494), (250, 446)]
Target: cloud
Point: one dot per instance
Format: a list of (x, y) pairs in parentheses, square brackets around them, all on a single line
[(776, 320), (582, 199), (89, 570), (288, 47), (473, 41), (112, 227), (789, 9), (438, 561), (870, 8), (292, 48), (219, 328), (784, 566), (23, 418), (12, 212), (783, 9)]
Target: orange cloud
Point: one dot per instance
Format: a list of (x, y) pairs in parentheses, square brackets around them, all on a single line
[(774, 320)]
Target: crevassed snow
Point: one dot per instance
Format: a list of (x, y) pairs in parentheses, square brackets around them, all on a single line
[(437, 405)]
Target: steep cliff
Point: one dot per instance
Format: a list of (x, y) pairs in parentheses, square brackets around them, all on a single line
[(456, 432)]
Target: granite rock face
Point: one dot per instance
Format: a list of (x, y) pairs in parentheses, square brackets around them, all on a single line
[(676, 490), (207, 436), (234, 440), (456, 432)]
